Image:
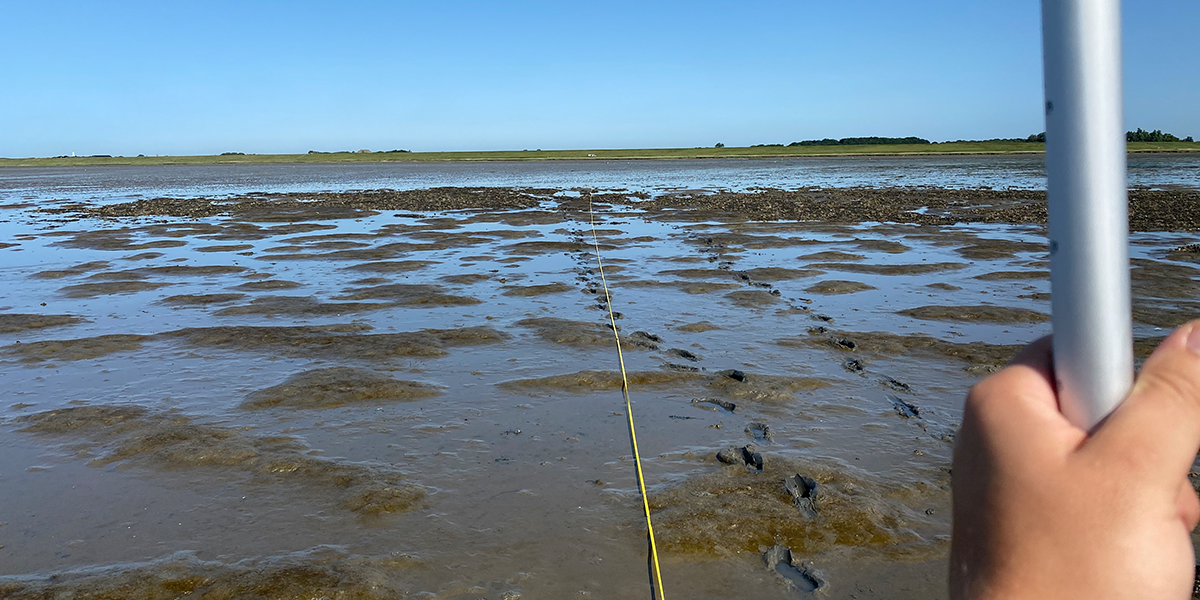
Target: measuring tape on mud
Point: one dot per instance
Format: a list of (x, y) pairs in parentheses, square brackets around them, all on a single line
[(637, 458)]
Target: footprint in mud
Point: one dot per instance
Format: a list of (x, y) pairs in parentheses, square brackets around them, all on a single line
[(797, 576), (803, 491), (746, 456), (713, 404), (897, 385), (684, 354), (904, 409), (761, 432)]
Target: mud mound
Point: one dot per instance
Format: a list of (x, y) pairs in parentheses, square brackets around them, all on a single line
[(226, 248), (337, 386), (833, 287), (831, 255), (779, 273), (392, 266), (78, 269), (583, 382), (538, 290), (874, 269), (168, 441), (339, 341), (1010, 275), (77, 349), (752, 298), (754, 387), (697, 327), (583, 334), (322, 572), (883, 344), (981, 314), (298, 305), (466, 278), (735, 510), (202, 299), (93, 290), (270, 284), (15, 322), (991, 249), (408, 294)]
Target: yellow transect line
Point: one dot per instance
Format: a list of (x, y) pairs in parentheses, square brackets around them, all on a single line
[(637, 458)]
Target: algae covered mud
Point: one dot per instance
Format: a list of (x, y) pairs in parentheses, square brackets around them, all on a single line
[(413, 394)]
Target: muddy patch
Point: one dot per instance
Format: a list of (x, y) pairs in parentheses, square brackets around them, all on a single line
[(338, 341), (833, 287), (697, 327), (392, 266), (322, 572), (334, 387), (736, 509), (832, 255), (877, 269), (79, 269), (979, 314), (537, 290), (584, 382), (166, 441), (408, 294), (201, 299), (1012, 275), (778, 273), (298, 305), (268, 285), (109, 288), (981, 356), (582, 334), (752, 298), (226, 248), (17, 322), (77, 349)]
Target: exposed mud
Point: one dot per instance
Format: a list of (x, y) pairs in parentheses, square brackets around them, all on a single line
[(584, 382), (17, 322), (874, 269), (980, 313), (334, 387), (79, 269), (739, 510), (538, 290), (887, 345), (583, 334), (202, 299), (321, 572), (392, 266), (108, 288), (339, 341), (752, 298), (778, 273), (71, 350), (833, 287), (298, 305), (267, 285), (1010, 275), (408, 294), (166, 440), (832, 255), (698, 327)]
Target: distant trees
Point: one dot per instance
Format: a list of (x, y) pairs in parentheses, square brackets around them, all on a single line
[(233, 154), (1157, 135), (861, 141), (719, 145)]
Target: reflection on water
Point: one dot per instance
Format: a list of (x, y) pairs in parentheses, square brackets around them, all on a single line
[(1016, 171)]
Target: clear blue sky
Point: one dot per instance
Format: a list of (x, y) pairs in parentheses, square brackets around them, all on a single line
[(208, 77)]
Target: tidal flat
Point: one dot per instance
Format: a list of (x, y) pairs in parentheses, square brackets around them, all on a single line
[(416, 393)]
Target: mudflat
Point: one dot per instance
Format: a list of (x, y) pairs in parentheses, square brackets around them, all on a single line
[(416, 394)]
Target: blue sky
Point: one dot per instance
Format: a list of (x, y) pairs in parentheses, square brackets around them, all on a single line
[(210, 77)]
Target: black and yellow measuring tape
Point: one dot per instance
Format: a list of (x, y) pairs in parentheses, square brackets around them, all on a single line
[(637, 459)]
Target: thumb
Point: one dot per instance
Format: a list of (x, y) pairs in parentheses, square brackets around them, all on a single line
[(1157, 428)]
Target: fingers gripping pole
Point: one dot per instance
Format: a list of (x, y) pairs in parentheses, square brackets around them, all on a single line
[(1089, 243)]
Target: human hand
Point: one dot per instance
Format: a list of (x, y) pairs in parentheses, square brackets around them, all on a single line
[(1043, 510)]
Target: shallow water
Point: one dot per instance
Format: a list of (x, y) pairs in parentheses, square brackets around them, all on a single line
[(487, 452), (999, 172)]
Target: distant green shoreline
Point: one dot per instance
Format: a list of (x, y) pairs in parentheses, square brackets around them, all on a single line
[(947, 148)]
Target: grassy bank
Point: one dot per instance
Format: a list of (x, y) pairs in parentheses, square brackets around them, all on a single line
[(648, 153)]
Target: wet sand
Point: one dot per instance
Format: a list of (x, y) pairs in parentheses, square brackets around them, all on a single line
[(416, 394)]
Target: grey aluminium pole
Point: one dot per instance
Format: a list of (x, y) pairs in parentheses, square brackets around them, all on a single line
[(1089, 236)]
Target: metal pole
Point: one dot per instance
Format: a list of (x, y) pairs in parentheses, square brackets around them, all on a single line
[(1089, 235)]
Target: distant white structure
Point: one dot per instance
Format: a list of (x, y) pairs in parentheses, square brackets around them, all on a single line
[(591, 156), (72, 154)]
